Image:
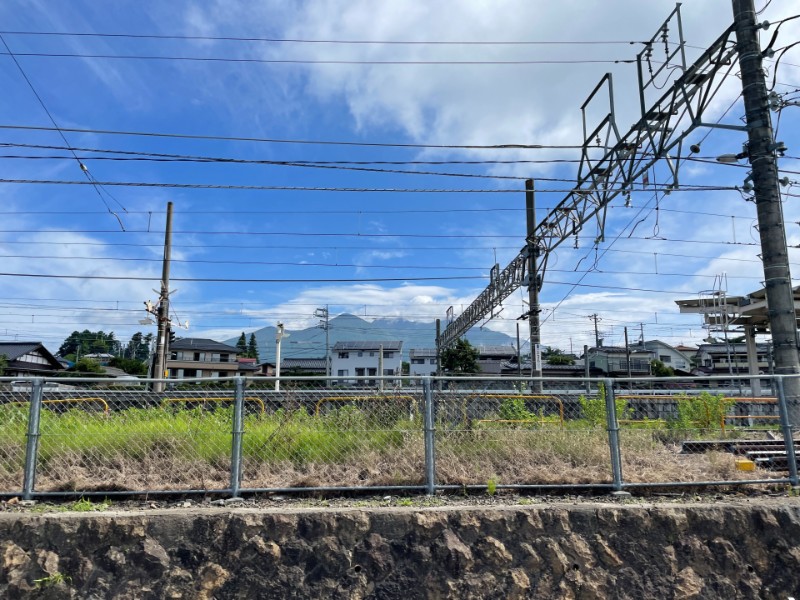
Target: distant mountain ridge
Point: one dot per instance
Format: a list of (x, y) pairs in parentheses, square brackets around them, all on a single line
[(310, 342)]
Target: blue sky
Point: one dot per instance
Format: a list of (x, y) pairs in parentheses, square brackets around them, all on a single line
[(391, 254)]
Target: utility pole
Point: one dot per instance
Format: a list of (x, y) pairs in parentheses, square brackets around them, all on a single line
[(628, 359), (761, 151), (596, 318), (519, 355), (162, 346), (279, 335), (533, 288), (324, 314)]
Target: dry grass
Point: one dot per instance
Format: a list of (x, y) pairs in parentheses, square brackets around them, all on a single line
[(156, 449)]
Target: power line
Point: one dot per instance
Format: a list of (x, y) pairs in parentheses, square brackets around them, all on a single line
[(323, 61), (289, 141), (285, 188), (328, 41)]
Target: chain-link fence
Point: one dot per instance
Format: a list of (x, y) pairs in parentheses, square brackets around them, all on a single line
[(91, 437)]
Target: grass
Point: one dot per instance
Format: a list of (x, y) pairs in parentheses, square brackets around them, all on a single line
[(176, 447), (52, 580)]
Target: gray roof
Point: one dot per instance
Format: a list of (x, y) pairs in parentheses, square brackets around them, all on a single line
[(202, 344), (422, 353), (309, 364), (15, 350), (390, 346), (618, 350)]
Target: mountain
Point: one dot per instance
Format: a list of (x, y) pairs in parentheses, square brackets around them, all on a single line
[(310, 343)]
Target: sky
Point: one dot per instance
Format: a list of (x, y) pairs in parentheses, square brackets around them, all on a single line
[(403, 210)]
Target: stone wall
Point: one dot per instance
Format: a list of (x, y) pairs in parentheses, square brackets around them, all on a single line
[(540, 551)]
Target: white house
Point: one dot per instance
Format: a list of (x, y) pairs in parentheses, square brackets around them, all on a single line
[(362, 359), (423, 361), (669, 355)]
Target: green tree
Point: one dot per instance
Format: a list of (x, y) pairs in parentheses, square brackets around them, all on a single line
[(130, 365), (659, 369), (3, 364), (241, 345), (461, 358), (87, 366), (252, 347), (80, 343)]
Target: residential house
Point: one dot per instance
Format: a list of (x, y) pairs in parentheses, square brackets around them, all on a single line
[(723, 359), (101, 358), (491, 358), (303, 366), (28, 359), (678, 360), (423, 362), (362, 359), (198, 357), (612, 361)]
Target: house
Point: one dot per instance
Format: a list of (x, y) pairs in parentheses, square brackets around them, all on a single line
[(491, 358), (423, 362), (101, 358), (28, 359), (510, 368), (303, 366), (247, 367), (724, 359), (362, 359), (200, 357), (673, 357), (612, 361)]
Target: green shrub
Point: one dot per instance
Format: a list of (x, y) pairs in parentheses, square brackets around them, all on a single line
[(594, 409), (703, 411)]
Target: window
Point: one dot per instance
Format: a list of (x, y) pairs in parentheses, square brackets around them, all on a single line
[(665, 358), (360, 354), (199, 356), (417, 361), (388, 355), (388, 371), (372, 354), (344, 355), (224, 358), (433, 361), (359, 372), (342, 372), (372, 372)]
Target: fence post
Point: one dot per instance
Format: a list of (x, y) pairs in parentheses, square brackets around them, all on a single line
[(430, 439), (786, 427), (236, 438), (613, 436), (32, 446)]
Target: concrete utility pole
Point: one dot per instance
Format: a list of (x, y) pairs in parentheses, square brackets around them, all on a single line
[(596, 318), (324, 314), (279, 335), (533, 289), (162, 347), (761, 150)]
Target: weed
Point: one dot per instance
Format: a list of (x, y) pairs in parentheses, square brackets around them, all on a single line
[(405, 502), (704, 411), (86, 505), (53, 580), (491, 486)]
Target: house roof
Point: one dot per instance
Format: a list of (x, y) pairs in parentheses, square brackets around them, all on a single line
[(310, 364), (618, 350), (390, 346), (13, 351), (202, 344)]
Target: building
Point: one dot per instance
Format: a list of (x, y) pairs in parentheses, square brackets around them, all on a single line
[(362, 359), (491, 358), (612, 361), (422, 361), (199, 357), (303, 366), (724, 359), (678, 360), (28, 359)]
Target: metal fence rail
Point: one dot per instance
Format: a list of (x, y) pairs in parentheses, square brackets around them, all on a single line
[(87, 437)]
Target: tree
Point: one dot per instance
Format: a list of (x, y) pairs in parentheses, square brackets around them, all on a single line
[(130, 365), (659, 369), (461, 358), (560, 359), (3, 364), (252, 347), (86, 365), (87, 342), (241, 345)]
